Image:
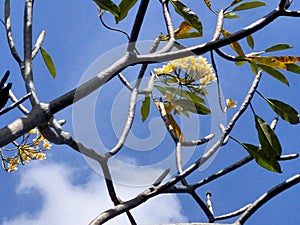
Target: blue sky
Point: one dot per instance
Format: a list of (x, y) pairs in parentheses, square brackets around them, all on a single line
[(66, 188)]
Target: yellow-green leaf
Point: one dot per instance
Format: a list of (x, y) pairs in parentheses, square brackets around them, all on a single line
[(188, 15), (49, 62), (145, 109), (208, 4), (124, 8), (182, 32), (230, 15), (234, 2), (109, 6), (250, 41), (235, 45), (249, 5), (278, 47), (270, 61)]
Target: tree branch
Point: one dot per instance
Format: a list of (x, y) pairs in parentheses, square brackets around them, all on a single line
[(268, 196)]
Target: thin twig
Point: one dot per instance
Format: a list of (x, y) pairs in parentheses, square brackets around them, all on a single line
[(124, 81), (20, 106), (169, 26), (233, 214), (38, 44), (111, 28), (16, 103)]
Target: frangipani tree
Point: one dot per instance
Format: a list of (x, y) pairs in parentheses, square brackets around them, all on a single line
[(177, 85)]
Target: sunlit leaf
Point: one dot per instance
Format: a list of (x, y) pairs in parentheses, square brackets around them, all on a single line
[(250, 41), (235, 45), (275, 73), (208, 4), (145, 109), (254, 68), (293, 68), (230, 15), (240, 63), (182, 32), (49, 62), (124, 8), (267, 162), (173, 123), (278, 47), (267, 138), (188, 15), (270, 61), (249, 5), (284, 110), (109, 6), (191, 106)]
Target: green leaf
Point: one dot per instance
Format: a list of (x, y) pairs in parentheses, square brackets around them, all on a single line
[(267, 138), (188, 15), (294, 68), (278, 47), (49, 62), (208, 4), (249, 5), (234, 45), (284, 110), (109, 6), (250, 41), (230, 15), (254, 68), (181, 93), (269, 163), (275, 73), (145, 109), (124, 8), (191, 106), (234, 2)]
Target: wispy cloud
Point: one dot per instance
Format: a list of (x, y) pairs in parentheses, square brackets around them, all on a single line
[(65, 202)]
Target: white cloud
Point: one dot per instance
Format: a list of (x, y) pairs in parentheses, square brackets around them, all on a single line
[(64, 202)]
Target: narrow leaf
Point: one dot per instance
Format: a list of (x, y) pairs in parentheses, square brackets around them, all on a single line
[(267, 138), (250, 41), (293, 68), (235, 45), (270, 61), (278, 47), (182, 32), (49, 62), (284, 110), (230, 15), (124, 8), (254, 68), (234, 2), (180, 93), (109, 6), (275, 73), (208, 4), (173, 123), (188, 15), (145, 109), (249, 5), (191, 106), (288, 59)]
